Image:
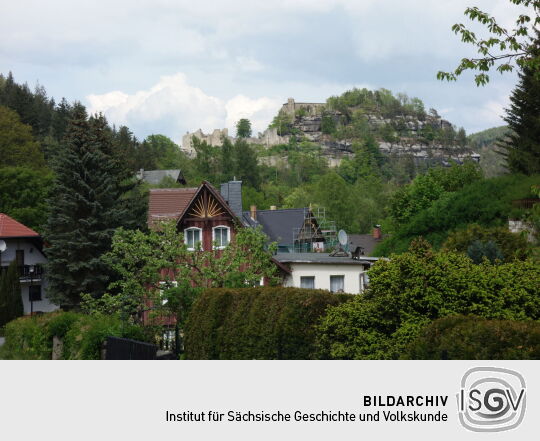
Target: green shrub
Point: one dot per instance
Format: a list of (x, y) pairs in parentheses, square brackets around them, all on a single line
[(487, 202), (26, 340), (474, 338), (30, 338), (84, 339), (256, 323), (415, 288)]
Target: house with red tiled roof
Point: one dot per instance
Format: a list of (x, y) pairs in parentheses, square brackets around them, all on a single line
[(202, 214), (25, 246)]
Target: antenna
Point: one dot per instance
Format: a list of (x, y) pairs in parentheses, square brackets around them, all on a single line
[(343, 238)]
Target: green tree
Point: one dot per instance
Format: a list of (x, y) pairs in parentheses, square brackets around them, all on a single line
[(522, 145), (246, 164), (243, 128), (23, 195), (148, 263), (11, 305), (88, 203), (511, 245), (500, 47), (17, 144), (409, 291)]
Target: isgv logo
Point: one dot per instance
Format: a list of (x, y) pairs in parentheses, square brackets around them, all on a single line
[(491, 399)]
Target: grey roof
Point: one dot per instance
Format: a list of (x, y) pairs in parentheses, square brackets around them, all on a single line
[(366, 241), (232, 193), (154, 177), (323, 258), (278, 225)]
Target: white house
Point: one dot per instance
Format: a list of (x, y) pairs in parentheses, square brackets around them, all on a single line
[(324, 271), (20, 243)]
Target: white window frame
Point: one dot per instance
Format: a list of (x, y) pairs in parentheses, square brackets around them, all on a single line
[(214, 236), (308, 277), (164, 283), (343, 278), (186, 237)]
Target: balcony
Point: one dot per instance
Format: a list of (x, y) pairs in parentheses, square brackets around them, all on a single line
[(28, 273)]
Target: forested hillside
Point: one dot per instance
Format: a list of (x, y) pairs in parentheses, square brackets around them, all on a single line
[(367, 187)]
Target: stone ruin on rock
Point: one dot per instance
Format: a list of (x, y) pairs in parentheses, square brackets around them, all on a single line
[(307, 120)]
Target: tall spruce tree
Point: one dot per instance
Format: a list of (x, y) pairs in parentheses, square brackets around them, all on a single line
[(11, 305), (90, 200), (522, 146)]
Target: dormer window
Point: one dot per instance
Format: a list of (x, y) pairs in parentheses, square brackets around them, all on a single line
[(221, 236), (192, 237)]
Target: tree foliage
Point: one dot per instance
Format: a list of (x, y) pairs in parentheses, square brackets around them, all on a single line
[(11, 305), (243, 128), (23, 195), (521, 147), (148, 263), (461, 337), (17, 144), (90, 199), (501, 47), (413, 289), (511, 245), (257, 323)]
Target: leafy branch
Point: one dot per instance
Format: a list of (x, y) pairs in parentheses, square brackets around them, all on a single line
[(502, 49)]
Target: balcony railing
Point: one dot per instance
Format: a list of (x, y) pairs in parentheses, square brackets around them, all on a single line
[(28, 272)]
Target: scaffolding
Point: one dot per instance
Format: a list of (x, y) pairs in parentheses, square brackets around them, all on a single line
[(317, 234)]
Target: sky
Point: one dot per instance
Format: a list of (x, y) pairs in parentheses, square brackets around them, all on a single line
[(172, 66)]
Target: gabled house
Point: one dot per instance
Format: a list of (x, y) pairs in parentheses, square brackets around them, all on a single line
[(201, 214), (25, 246)]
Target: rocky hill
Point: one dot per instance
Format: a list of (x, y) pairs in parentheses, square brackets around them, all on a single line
[(400, 125)]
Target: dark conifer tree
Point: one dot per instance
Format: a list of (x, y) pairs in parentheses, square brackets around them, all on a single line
[(11, 305), (522, 146), (89, 202)]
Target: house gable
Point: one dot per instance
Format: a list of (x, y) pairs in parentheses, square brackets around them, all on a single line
[(206, 212)]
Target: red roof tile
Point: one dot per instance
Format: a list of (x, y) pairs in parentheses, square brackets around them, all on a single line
[(9, 227), (168, 203)]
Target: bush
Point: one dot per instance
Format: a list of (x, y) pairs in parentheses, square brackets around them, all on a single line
[(487, 202), (415, 288), (257, 323), (511, 245), (474, 338), (30, 338)]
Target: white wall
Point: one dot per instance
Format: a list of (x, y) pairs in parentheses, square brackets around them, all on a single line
[(32, 256), (322, 273)]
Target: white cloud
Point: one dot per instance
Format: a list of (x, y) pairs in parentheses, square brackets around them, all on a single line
[(173, 107), (259, 111)]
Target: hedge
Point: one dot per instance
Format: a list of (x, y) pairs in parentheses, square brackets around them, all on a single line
[(31, 338), (474, 338), (257, 323)]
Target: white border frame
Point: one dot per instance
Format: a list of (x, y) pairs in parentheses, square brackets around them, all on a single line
[(214, 236)]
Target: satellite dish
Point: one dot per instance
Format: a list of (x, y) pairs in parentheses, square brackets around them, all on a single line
[(3, 246), (342, 237)]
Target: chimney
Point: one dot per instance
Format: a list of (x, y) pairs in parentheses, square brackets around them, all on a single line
[(273, 207), (377, 232), (232, 193), (253, 210)]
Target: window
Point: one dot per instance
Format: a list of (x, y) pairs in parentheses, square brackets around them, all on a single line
[(192, 236), (337, 283), (34, 293), (166, 285), (307, 282), (221, 237)]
